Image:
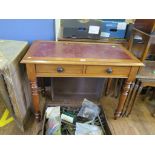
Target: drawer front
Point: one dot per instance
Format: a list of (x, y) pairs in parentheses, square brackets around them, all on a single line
[(59, 69), (108, 70)]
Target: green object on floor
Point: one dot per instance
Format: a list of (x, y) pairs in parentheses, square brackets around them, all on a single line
[(153, 71), (68, 116)]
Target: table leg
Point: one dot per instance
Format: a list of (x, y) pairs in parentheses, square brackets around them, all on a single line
[(127, 102), (122, 99), (34, 89), (35, 98)]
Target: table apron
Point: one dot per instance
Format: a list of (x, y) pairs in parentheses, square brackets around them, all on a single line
[(58, 70)]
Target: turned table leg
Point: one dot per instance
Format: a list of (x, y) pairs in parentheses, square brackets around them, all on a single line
[(35, 98), (34, 89), (125, 91), (127, 102), (122, 99)]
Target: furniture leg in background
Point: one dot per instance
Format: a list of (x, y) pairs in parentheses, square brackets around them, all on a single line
[(108, 86), (102, 92), (131, 98), (152, 95), (42, 81), (52, 89), (140, 84), (116, 94), (146, 94), (34, 89), (137, 89)]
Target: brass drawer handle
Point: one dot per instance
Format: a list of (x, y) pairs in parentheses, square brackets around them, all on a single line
[(109, 70), (60, 69)]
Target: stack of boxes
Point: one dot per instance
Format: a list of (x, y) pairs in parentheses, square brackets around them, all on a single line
[(94, 28)]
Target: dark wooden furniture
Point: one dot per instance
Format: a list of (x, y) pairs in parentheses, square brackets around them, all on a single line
[(145, 75), (145, 25), (73, 59), (141, 49), (147, 41)]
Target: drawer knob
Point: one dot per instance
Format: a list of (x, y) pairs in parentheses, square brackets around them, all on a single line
[(60, 69), (109, 70)]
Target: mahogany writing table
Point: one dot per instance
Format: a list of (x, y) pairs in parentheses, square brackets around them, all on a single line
[(74, 59)]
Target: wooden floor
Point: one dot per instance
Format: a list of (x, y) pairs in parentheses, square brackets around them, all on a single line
[(31, 128), (140, 122)]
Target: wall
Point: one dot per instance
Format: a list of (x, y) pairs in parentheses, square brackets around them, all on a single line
[(27, 29)]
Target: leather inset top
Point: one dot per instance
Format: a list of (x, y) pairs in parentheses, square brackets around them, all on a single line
[(77, 50)]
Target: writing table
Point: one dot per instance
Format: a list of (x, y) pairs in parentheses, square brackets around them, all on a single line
[(78, 59)]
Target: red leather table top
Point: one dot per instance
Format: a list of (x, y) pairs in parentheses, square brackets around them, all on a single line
[(77, 50), (52, 52)]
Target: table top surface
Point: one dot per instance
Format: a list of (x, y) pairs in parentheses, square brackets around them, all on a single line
[(49, 51)]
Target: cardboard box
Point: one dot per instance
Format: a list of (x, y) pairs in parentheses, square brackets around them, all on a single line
[(81, 29), (113, 29)]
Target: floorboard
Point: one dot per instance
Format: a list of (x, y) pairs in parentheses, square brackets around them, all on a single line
[(139, 122)]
